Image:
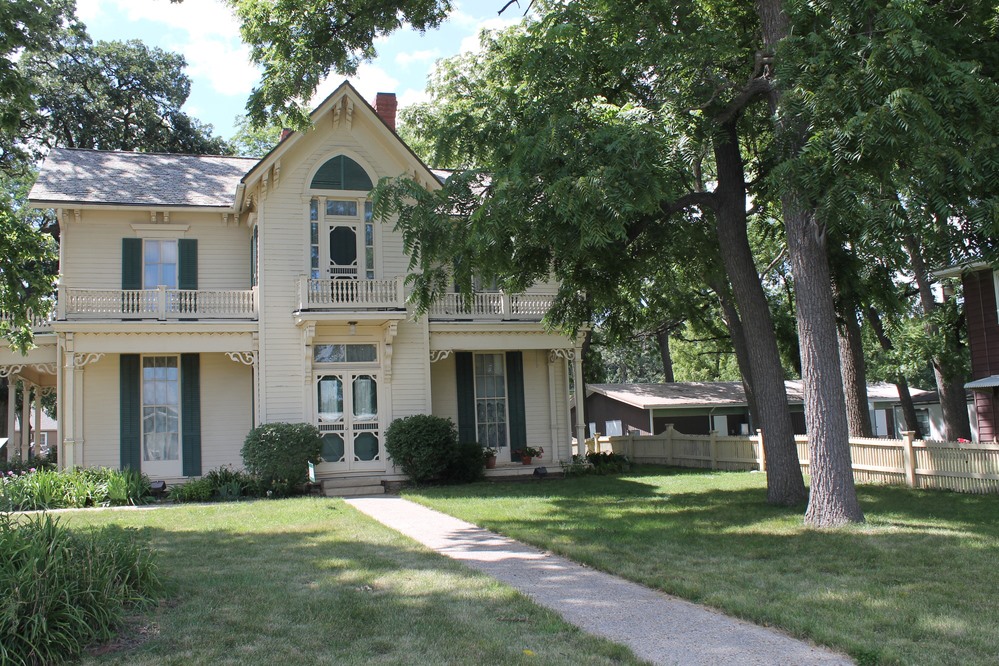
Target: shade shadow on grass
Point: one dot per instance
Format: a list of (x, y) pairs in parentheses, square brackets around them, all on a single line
[(915, 584), (312, 581)]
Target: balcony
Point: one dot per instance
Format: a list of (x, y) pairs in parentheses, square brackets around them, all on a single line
[(161, 304), (492, 306), (351, 295), (38, 324)]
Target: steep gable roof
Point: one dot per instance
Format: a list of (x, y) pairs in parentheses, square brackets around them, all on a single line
[(76, 176)]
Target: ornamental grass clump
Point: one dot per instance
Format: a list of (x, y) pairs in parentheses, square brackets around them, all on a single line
[(279, 454), (62, 590), (41, 489)]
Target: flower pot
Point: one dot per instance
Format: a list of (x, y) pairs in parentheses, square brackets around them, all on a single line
[(526, 460), (491, 462)]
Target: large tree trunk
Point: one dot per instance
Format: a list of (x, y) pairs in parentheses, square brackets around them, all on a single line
[(833, 497), (662, 340), (785, 485), (904, 396), (854, 369), (738, 334), (950, 381)]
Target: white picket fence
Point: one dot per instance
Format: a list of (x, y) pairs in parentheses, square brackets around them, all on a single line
[(963, 467)]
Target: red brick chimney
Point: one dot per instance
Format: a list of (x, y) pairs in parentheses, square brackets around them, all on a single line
[(385, 106), (285, 133)]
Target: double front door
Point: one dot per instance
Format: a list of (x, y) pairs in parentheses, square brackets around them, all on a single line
[(347, 415)]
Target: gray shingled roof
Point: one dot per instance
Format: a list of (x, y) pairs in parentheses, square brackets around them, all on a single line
[(70, 176), (720, 394)]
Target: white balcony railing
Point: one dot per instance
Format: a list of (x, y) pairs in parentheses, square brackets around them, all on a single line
[(38, 324), (489, 305), (351, 294), (161, 304)]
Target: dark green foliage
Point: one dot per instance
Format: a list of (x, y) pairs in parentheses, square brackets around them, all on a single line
[(198, 490), (62, 590), (279, 454), (18, 466), (50, 489), (608, 463), (467, 465), (422, 445)]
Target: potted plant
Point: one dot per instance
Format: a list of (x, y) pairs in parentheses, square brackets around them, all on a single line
[(489, 456), (529, 452)]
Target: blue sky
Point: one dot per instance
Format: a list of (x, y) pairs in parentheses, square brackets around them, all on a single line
[(207, 35)]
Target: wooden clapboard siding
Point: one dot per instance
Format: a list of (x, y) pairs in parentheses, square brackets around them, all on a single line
[(102, 413), (226, 410), (92, 248)]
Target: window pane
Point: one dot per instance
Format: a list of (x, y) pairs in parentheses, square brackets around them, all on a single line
[(337, 207), (168, 252), (152, 251), (151, 277), (361, 353), (330, 398), (169, 279), (365, 398), (368, 207), (314, 233), (313, 210)]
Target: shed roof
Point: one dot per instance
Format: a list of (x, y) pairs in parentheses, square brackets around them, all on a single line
[(77, 176), (715, 394)]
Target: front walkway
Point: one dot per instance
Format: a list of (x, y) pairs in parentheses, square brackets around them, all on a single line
[(657, 627)]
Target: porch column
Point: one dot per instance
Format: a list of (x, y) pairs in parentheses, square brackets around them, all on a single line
[(67, 417), (38, 421), (580, 398), (25, 419), (11, 413)]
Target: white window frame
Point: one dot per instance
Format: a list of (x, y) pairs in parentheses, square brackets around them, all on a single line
[(150, 466), (360, 223), (176, 263), (506, 395)]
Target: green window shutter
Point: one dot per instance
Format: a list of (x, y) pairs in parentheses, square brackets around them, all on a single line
[(465, 383), (131, 263), (190, 413), (515, 396), (130, 429), (187, 269)]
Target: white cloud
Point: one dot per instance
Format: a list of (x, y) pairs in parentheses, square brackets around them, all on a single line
[(87, 10), (369, 81), (411, 96), (196, 17), (224, 65), (427, 55), (471, 42)]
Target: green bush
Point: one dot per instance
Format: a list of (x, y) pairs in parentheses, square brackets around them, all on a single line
[(422, 445), (279, 453), (198, 490), (467, 465), (62, 590), (608, 463), (18, 466)]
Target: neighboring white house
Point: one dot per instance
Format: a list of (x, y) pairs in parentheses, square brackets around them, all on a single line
[(201, 295)]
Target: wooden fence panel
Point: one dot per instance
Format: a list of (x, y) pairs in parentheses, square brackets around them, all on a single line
[(959, 466)]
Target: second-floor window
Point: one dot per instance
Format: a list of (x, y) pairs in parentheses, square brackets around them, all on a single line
[(159, 259), (341, 239)]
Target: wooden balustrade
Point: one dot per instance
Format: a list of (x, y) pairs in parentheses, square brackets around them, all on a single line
[(161, 304), (492, 305), (350, 294)]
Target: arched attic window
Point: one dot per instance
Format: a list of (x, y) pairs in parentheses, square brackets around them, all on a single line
[(341, 173)]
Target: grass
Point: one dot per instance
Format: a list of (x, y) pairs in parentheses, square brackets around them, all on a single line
[(311, 580), (915, 584)]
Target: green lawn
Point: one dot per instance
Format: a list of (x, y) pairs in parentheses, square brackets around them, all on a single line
[(312, 581), (916, 584)]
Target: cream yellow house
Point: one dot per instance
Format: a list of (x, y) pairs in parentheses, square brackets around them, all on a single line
[(201, 295)]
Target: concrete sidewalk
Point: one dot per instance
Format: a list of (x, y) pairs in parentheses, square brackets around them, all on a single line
[(657, 627)]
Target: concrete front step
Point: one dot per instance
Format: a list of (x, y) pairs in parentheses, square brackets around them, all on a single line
[(357, 490), (348, 481)]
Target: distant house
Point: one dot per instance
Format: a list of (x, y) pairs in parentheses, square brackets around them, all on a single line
[(697, 408), (46, 431)]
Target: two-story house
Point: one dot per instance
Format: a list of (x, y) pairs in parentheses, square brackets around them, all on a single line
[(201, 295)]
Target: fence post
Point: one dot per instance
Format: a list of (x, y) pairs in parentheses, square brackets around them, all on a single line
[(713, 447), (669, 444), (909, 458), (762, 457)]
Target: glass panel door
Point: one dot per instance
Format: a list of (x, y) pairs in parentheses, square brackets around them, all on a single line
[(347, 413)]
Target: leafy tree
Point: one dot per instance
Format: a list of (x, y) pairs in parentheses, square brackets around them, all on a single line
[(254, 141), (116, 96)]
